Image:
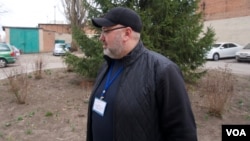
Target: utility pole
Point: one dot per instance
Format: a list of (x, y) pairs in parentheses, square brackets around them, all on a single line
[(54, 14)]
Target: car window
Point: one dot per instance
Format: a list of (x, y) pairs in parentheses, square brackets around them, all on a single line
[(225, 46), (215, 45), (62, 46), (4, 48), (247, 46), (231, 45), (68, 45)]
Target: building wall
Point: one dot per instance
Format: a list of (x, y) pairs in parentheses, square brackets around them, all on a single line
[(230, 19), (64, 28), (59, 28), (63, 36), (223, 9), (47, 39), (63, 31), (47, 35), (7, 35), (24, 38), (53, 32), (232, 29)]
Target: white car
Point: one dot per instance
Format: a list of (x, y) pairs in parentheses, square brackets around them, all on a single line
[(243, 54), (17, 51), (60, 49), (223, 50)]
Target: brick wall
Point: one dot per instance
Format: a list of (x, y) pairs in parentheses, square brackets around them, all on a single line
[(230, 19), (47, 41), (223, 9), (64, 28), (59, 28)]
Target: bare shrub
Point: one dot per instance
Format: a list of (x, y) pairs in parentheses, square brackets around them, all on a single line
[(39, 66), (19, 84), (217, 87)]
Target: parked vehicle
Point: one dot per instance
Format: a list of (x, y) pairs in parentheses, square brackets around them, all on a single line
[(223, 50), (17, 51), (7, 55), (243, 54), (68, 46), (60, 49)]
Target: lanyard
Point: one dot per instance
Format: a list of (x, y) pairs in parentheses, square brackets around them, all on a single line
[(110, 80)]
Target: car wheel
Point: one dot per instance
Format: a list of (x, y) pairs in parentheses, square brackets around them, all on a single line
[(3, 63), (216, 57)]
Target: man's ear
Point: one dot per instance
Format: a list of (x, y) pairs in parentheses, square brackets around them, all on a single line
[(128, 33)]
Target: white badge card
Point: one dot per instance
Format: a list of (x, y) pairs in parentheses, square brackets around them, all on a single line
[(99, 106)]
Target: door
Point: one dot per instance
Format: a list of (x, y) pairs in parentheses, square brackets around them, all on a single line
[(25, 39)]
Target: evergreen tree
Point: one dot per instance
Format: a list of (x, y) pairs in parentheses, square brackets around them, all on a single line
[(173, 28), (88, 64)]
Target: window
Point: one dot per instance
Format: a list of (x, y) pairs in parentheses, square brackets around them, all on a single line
[(4, 48), (232, 45), (225, 46)]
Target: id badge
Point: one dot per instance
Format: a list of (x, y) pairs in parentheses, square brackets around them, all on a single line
[(99, 106)]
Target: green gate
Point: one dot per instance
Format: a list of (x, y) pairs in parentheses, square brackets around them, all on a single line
[(25, 39)]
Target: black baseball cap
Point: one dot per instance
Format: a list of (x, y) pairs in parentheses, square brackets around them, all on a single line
[(119, 15)]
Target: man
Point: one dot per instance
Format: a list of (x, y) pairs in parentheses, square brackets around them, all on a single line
[(139, 95)]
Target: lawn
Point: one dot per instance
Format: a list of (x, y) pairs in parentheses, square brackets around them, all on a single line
[(55, 108)]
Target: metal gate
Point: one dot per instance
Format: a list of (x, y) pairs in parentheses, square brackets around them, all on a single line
[(25, 39)]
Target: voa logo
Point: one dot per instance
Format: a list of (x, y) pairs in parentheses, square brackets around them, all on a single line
[(236, 132)]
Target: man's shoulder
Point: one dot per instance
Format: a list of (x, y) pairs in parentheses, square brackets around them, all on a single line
[(155, 56), (159, 61)]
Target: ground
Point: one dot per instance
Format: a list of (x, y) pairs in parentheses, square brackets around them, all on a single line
[(56, 109)]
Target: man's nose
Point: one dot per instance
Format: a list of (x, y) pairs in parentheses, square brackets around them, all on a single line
[(101, 38)]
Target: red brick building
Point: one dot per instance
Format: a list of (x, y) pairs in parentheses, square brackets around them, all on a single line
[(56, 32), (222, 9), (59, 28), (229, 18)]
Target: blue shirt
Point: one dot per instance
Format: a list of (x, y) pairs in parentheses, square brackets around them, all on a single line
[(102, 126)]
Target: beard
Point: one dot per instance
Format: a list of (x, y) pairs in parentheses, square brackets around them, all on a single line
[(114, 50)]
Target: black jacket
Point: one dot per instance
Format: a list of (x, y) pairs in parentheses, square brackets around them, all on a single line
[(152, 103)]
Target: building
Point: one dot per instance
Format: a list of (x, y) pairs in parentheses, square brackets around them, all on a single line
[(229, 18), (24, 38), (224, 9), (42, 38)]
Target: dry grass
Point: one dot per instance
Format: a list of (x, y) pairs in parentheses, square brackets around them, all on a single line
[(56, 109), (19, 84), (19, 79), (39, 65), (217, 87)]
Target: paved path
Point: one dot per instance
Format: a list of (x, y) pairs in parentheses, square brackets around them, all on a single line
[(236, 67), (26, 63)]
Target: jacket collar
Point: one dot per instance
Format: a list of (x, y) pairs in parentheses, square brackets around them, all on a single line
[(131, 57)]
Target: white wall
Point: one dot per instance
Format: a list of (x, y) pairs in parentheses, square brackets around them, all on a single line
[(63, 36), (232, 30), (2, 34)]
